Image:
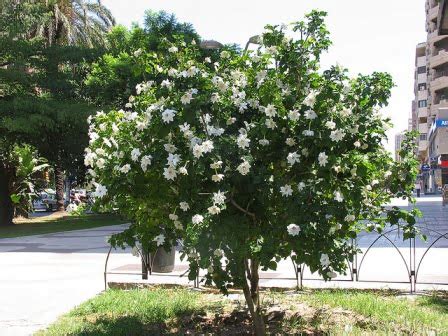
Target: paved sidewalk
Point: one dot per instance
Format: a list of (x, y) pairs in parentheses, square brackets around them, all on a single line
[(44, 276)]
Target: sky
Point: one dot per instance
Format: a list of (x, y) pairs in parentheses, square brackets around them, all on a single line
[(367, 36)]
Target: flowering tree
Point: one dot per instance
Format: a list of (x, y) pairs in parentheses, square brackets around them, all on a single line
[(250, 158)]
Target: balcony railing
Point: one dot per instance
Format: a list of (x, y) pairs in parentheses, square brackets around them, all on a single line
[(442, 73)]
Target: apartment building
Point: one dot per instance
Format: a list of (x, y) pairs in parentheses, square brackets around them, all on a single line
[(399, 138), (430, 106)]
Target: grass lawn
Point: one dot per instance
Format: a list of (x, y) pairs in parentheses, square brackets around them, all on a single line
[(178, 311), (55, 223)]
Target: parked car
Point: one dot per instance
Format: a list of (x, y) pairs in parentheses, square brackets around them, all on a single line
[(47, 200)]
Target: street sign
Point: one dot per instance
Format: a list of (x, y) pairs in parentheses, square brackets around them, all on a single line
[(426, 167), (441, 123)]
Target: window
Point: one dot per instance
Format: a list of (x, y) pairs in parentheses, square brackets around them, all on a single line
[(422, 87), (421, 70), (423, 136), (422, 103)]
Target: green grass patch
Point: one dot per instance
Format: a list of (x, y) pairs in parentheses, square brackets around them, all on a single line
[(44, 225), (180, 311)]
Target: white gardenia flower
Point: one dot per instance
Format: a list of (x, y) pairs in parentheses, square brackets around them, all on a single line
[(270, 123), (172, 72), (330, 125), (357, 144), (219, 198), (213, 210), (337, 135), (294, 115), (286, 190), (310, 100), (244, 168), (135, 154), (184, 206), (160, 239), (323, 159), (243, 141), (301, 186), (186, 98), (293, 229), (168, 116), (173, 159), (310, 115), (100, 191), (170, 148), (178, 225), (207, 60), (100, 163), (263, 142), (197, 219), (218, 253), (338, 196), (126, 168), (214, 98), (290, 142), (216, 165), (345, 112), (225, 54), (207, 146), (350, 218), (293, 158), (170, 173), (324, 260), (217, 177), (308, 133), (145, 162), (270, 111), (173, 49), (173, 217), (197, 151)]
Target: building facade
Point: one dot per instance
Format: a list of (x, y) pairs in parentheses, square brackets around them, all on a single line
[(430, 106)]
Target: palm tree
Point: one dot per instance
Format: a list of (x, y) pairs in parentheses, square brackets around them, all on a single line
[(73, 22)]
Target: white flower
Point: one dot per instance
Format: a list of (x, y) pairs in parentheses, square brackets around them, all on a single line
[(324, 260), (100, 163), (207, 146), (308, 133), (311, 98), (219, 198), (338, 196), (170, 148), (216, 165), (294, 115), (261, 75), (135, 252), (244, 168), (323, 159), (126, 168), (172, 72), (301, 186), (207, 60), (184, 206), (270, 110), (169, 173), (173, 159), (173, 49), (160, 239), (197, 151), (225, 54), (350, 218), (337, 135), (168, 116), (186, 98), (214, 210), (71, 207), (230, 121), (345, 112), (263, 142), (388, 173), (145, 162), (243, 141), (310, 115), (270, 123), (286, 190), (173, 217), (166, 83), (293, 229), (217, 177), (135, 154), (197, 219), (138, 52), (293, 158), (218, 253), (100, 191), (374, 182), (183, 171), (330, 125), (178, 225), (214, 98), (290, 142), (357, 144)]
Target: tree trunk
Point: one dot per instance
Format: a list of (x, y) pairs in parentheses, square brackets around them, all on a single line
[(252, 295), (59, 182), (6, 205)]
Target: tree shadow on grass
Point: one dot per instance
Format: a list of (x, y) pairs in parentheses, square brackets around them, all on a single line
[(436, 302)]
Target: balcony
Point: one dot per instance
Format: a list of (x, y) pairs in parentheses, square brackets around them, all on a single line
[(440, 81), (422, 146), (422, 95), (433, 13), (422, 112), (423, 128), (421, 61), (439, 59), (435, 107)]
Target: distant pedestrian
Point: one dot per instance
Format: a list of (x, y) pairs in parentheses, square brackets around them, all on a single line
[(418, 188), (426, 188)]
